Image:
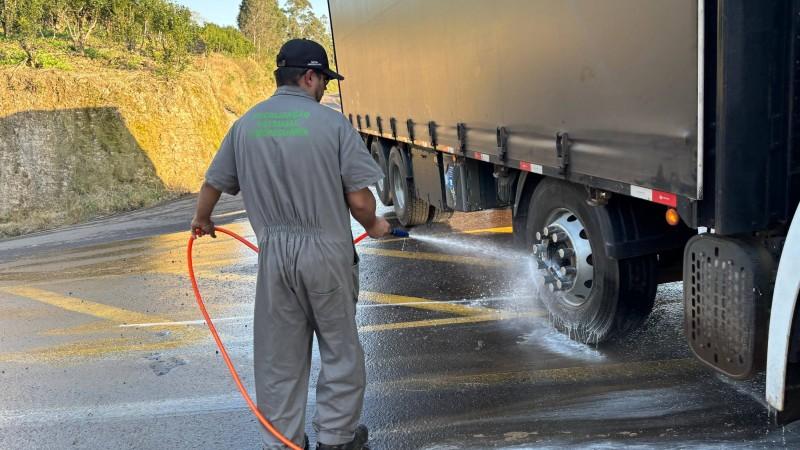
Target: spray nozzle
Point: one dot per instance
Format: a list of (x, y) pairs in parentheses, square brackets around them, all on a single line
[(397, 232)]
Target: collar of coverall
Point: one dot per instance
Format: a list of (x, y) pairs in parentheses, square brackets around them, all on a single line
[(293, 90)]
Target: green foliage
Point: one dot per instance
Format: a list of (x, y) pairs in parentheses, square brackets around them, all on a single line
[(174, 31), (91, 53), (83, 17), (227, 40), (12, 57), (49, 61), (264, 24), (148, 30)]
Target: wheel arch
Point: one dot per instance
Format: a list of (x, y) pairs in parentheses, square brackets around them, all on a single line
[(631, 227), (526, 184)]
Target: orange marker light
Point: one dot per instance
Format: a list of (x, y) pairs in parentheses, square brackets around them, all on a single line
[(673, 218)]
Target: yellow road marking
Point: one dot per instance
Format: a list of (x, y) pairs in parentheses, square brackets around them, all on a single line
[(424, 303), (179, 335), (81, 306), (87, 328), (96, 348), (377, 297), (598, 372), (498, 316), (497, 230), (486, 262), (182, 335)]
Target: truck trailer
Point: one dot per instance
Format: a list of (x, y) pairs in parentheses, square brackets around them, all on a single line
[(637, 142)]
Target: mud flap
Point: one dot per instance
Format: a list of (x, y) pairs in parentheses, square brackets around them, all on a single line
[(727, 290)]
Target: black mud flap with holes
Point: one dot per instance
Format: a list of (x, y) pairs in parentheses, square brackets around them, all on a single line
[(727, 290)]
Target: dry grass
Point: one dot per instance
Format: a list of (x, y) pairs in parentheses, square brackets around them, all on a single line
[(112, 139)]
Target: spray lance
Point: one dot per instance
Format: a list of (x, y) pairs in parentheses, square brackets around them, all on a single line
[(396, 232)]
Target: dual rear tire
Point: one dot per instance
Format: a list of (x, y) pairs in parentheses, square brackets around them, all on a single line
[(397, 188)]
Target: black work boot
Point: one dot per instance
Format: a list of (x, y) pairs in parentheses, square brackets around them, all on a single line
[(359, 442), (306, 445)]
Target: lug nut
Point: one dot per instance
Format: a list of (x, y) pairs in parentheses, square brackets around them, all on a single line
[(552, 287), (558, 236), (566, 253), (539, 236), (546, 232), (563, 285), (546, 279), (567, 271)]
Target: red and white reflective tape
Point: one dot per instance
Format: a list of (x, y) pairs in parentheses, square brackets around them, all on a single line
[(483, 157), (651, 195), (530, 167)]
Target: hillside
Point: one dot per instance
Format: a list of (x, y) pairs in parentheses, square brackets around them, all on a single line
[(87, 139)]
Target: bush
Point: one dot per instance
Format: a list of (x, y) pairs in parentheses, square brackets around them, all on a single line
[(128, 61), (50, 61), (226, 40), (13, 57), (91, 53)]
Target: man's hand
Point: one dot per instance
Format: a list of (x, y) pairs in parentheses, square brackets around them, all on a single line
[(362, 207), (379, 229), (201, 223), (202, 227)]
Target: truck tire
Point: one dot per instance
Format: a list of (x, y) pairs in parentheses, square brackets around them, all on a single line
[(382, 187), (409, 209), (439, 216), (590, 296)]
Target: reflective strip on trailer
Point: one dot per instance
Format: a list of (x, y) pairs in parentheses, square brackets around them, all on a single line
[(483, 157), (651, 195), (530, 167)]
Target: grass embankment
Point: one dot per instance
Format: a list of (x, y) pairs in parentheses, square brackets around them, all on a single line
[(104, 132)]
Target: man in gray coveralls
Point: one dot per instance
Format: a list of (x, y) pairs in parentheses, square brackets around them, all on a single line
[(302, 169)]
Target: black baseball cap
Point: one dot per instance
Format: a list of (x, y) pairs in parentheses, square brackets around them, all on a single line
[(306, 54)]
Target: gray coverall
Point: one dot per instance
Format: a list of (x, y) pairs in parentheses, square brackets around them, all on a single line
[(293, 160)]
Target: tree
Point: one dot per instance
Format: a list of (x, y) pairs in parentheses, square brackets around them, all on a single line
[(303, 23), (8, 13), (301, 17), (54, 12), (84, 16), (264, 24), (125, 20), (27, 23), (175, 31)]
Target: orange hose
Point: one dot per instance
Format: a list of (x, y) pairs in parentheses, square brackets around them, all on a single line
[(221, 346)]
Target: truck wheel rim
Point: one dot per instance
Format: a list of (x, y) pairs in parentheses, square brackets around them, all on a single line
[(564, 254), (399, 190)]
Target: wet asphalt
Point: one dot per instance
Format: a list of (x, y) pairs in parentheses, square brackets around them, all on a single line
[(101, 347)]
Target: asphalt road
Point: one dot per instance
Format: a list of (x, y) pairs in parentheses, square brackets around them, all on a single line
[(101, 347)]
